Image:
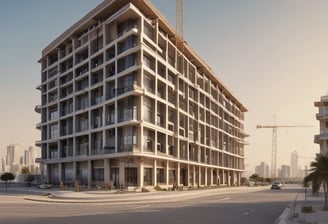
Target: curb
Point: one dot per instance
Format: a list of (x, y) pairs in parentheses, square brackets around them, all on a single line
[(283, 218), (141, 198)]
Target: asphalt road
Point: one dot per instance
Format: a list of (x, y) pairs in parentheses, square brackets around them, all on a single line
[(257, 207)]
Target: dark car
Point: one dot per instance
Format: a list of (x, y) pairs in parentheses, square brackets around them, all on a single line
[(276, 186)]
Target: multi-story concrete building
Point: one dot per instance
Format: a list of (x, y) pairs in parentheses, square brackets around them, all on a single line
[(322, 117), (126, 101)]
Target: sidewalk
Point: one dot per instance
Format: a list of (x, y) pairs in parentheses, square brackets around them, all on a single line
[(294, 215)]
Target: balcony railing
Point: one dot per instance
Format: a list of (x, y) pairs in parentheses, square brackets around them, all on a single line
[(322, 115)]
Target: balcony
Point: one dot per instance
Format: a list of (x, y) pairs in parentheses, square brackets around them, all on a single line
[(322, 115), (322, 136), (38, 108)]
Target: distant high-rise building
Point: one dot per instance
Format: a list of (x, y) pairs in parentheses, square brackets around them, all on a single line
[(29, 159), (284, 172), (262, 170), (3, 165), (294, 164), (12, 156), (322, 117)]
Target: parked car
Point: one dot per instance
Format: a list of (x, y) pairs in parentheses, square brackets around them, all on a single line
[(276, 186)]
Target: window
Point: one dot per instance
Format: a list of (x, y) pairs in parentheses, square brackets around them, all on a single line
[(126, 62), (148, 110), (53, 113), (54, 131), (148, 176), (98, 174), (131, 176), (160, 176)]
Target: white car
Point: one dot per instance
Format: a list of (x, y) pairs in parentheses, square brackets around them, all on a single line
[(276, 185)]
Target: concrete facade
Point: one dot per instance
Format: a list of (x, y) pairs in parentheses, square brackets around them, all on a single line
[(126, 102), (322, 117)]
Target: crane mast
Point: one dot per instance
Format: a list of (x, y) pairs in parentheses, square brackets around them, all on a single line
[(179, 18), (274, 143)]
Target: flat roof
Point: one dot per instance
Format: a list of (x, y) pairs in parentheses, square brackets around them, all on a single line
[(109, 7)]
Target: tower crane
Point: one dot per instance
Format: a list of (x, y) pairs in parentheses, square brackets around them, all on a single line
[(179, 17), (274, 143)]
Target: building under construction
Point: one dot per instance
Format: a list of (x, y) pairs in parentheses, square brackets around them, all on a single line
[(126, 102)]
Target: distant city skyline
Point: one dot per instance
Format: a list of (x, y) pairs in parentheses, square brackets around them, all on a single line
[(16, 158), (271, 54)]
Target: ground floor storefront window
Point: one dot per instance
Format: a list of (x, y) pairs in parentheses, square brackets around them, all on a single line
[(131, 176), (148, 173)]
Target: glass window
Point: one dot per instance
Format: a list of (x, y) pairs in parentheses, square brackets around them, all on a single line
[(148, 176), (131, 176), (160, 176)]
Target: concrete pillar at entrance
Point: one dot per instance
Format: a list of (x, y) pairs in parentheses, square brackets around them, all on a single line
[(47, 173), (233, 178), (60, 173), (194, 176), (106, 171), (89, 174), (205, 173), (223, 179), (167, 172), (238, 179), (74, 171), (199, 176), (121, 177), (229, 178), (141, 175), (211, 177), (188, 175), (155, 173), (178, 174)]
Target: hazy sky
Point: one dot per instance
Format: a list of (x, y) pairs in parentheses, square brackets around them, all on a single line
[(271, 54)]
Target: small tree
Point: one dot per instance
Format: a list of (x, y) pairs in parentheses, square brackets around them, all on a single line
[(267, 180), (7, 177), (254, 177)]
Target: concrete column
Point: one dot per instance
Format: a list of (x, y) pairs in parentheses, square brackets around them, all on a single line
[(47, 174), (189, 182), (121, 177), (211, 176), (205, 173), (106, 171), (60, 173), (199, 176), (167, 172), (238, 178), (229, 177), (178, 174), (193, 176), (74, 171), (223, 180), (89, 174), (155, 173), (141, 175)]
